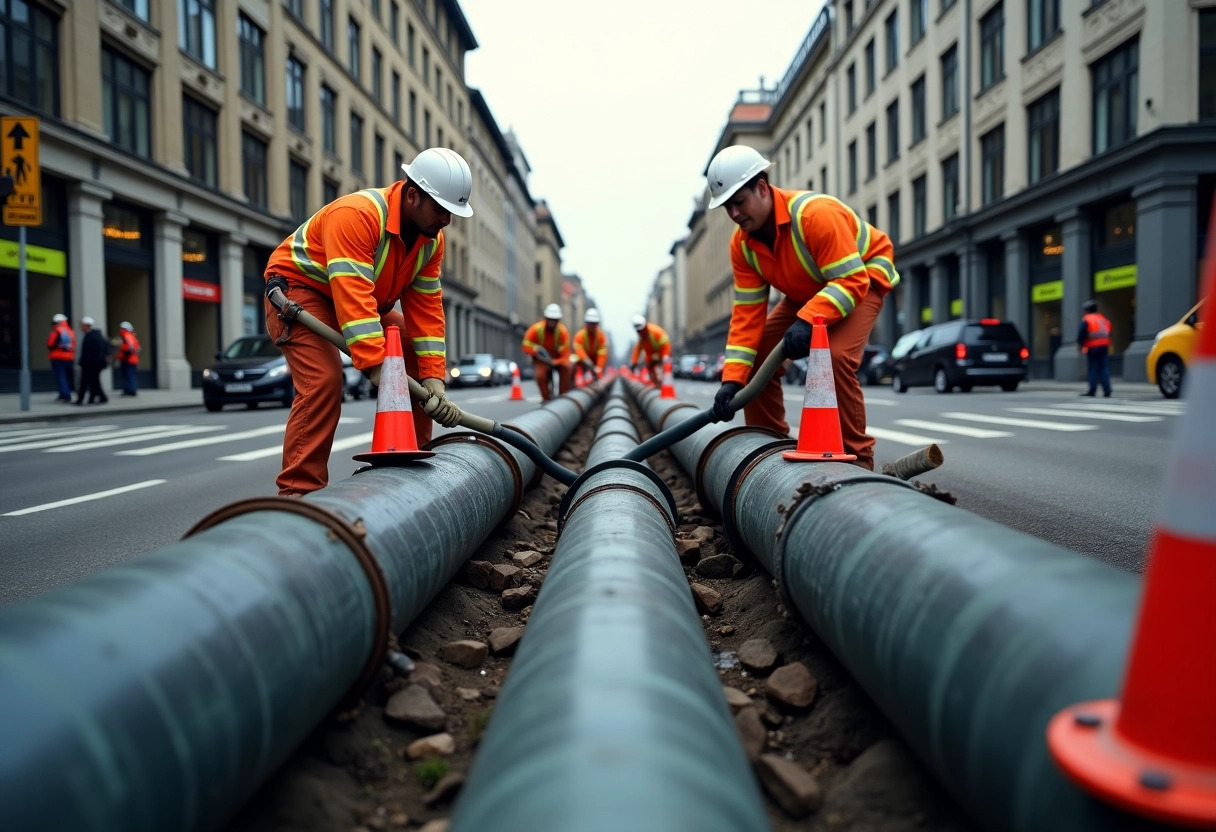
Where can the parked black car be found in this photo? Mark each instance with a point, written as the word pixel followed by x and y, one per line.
pixel 964 354
pixel 250 371
pixel 476 369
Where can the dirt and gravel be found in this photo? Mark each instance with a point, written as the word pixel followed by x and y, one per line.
pixel 400 761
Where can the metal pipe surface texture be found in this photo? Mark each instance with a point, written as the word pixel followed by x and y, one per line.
pixel 970 636
pixel 160 694
pixel 612 716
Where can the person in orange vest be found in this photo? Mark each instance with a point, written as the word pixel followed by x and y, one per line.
pixel 349 265
pixel 548 342
pixel 1093 339
pixel 61 350
pixel 128 358
pixel 826 260
pixel 591 345
pixel 654 344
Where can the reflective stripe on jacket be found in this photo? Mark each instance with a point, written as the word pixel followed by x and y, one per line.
pixel 351 251
pixel 128 351
pixel 556 341
pixel 654 342
pixel 1097 330
pixel 599 349
pixel 61 345
pixel 824 257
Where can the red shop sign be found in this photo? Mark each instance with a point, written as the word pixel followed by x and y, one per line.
pixel 200 290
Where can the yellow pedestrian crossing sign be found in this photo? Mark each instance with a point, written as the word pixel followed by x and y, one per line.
pixel 19 170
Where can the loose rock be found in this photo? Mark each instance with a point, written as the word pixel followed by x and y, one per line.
pixel 437 825
pixel 688 549
pixel 708 600
pixel 758 655
pixel 504 576
pixel 526 558
pixel 504 640
pixel 428 675
pixel 436 744
pixel 703 534
pixel 736 698
pixel 751 732
pixel 464 653
pixel 518 597
pixel 477 573
pixel 468 694
pixel 792 686
pixel 414 708
pixel 789 784
pixel 717 566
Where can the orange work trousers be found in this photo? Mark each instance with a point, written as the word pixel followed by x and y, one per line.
pixel 655 364
pixel 564 383
pixel 847 340
pixel 316 373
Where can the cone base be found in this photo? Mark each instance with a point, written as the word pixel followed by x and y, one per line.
pixel 1098 759
pixel 389 458
pixel 515 398
pixel 667 393
pixel 817 456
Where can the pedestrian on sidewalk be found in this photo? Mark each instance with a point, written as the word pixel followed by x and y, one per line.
pixel 61 349
pixel 128 358
pixel 94 355
pixel 1093 339
pixel 548 342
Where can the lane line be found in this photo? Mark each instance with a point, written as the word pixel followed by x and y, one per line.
pixel 961 430
pixel 127 440
pixel 99 495
pixel 49 443
pixel 30 434
pixel 904 438
pixel 206 440
pixel 1151 409
pixel 883 402
pixel 1018 423
pixel 1084 414
pixel 277 450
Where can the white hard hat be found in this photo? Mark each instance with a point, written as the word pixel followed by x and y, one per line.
pixel 58 318
pixel 127 326
pixel 731 169
pixel 638 321
pixel 441 173
pixel 86 321
pixel 592 316
pixel 553 312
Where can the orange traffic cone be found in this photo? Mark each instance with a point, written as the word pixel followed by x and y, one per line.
pixel 668 390
pixel 1153 751
pixel 645 374
pixel 393 438
pixel 819 436
pixel 578 375
pixel 517 390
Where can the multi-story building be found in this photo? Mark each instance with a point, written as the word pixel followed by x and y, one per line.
pixel 182 140
pixel 943 123
pixel 548 261
pixel 666 304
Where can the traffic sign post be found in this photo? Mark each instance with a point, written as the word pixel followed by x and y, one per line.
pixel 21 188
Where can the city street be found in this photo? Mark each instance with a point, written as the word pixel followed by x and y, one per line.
pixel 81 495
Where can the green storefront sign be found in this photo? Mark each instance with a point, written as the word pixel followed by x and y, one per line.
pixel 1120 277
pixel 1044 292
pixel 956 307
pixel 926 315
pixel 37 259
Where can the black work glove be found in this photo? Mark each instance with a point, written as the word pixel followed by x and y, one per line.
pixel 797 340
pixel 721 410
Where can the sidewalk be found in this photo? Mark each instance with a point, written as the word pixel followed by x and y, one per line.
pixel 44 407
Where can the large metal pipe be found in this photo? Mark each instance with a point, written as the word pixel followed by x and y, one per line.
pixel 612 716
pixel 970 636
pixel 158 695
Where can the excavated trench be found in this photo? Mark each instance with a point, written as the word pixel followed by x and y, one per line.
pixel 399 760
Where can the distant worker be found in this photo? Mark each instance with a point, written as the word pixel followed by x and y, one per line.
pixel 61 350
pixel 548 342
pixel 591 345
pixel 826 260
pixel 128 358
pixel 652 343
pixel 94 355
pixel 349 265
pixel 1093 339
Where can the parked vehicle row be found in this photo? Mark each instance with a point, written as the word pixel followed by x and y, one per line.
pixel 480 369
pixel 699 367
pixel 252 370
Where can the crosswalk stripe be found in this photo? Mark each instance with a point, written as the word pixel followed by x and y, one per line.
pixel 961 430
pixel 184 430
pixel 49 443
pixel 1018 423
pixel 882 402
pixel 1150 409
pixel 30 434
pixel 903 438
pixel 1084 414
pixel 277 450
pixel 85 498
pixel 206 440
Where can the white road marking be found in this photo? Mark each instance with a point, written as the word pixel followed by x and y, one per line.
pixel 48 443
pixel 961 430
pixel 1018 423
pixel 185 430
pixel 206 440
pixel 85 498
pixel 1084 414
pixel 277 450
pixel 30 434
pixel 904 438
pixel 883 402
pixel 1150 409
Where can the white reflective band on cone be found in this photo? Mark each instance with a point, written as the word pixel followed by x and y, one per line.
pixel 1189 501
pixel 394 386
pixel 820 383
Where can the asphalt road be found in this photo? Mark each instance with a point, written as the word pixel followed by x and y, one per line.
pixel 79 496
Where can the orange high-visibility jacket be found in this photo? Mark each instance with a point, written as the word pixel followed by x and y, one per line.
pixel 1097 330
pixel 61 343
pixel 593 350
pixel 128 351
pixel 654 342
pixel 351 250
pixel 556 341
pixel 824 257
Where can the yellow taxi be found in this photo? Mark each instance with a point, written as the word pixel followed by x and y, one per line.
pixel 1171 350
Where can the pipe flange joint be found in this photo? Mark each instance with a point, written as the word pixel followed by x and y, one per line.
pixel 568 501
pixel 698 476
pixel 517 474
pixel 734 482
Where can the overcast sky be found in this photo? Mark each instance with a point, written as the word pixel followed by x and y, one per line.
pixel 617 107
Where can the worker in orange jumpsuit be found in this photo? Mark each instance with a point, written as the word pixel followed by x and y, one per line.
pixel 654 344
pixel 349 265
pixel 591 345
pixel 826 260
pixel 548 342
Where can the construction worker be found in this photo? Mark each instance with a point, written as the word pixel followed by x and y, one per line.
pixel 128 358
pixel 1093 339
pixel 654 344
pixel 349 265
pixel 548 342
pixel 591 345
pixel 61 350
pixel 826 260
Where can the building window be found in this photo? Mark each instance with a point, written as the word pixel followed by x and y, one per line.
pixel 920 207
pixel 356 144
pixel 946 5
pixel 375 5
pixel 871 151
pixel 892 30
pixel 394 23
pixel 329 190
pixel 918 110
pixel 377 77
pixel 992 47
pixel 798 151
pixel 1043 128
pixel 893 217
pixel 378 160
pixel 352 48
pixel 992 154
pixel 852 167
pixel 139 8
pixel 409 43
pixel 919 21
pixel 1207 63
pixel 297 190
pixel 295 94
pixel 327 25
pixel 126 100
pixel 253 170
pixel 329 123
pixel 253 60
pixel 1116 79
pixel 439 86
pixel 196 30
pixel 426 67
pixel 823 121
pixel 810 138
pixel 851 87
pixel 398 161
pixel 848 17
pixel 199 130
pixel 870 68
pixel 413 115
pixel 872 214
pixel 893 131
pixel 823 178
pixel 426 127
pixel 1042 22
pixel 949 82
pixel 396 102
pixel 950 204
